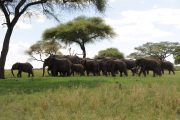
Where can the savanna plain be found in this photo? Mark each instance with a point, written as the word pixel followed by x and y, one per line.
pixel 90 98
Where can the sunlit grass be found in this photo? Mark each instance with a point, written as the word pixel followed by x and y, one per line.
pixel 90 98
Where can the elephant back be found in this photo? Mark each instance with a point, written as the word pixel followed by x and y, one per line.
pixel 29 65
pixel 62 63
pixel 167 65
pixel 73 59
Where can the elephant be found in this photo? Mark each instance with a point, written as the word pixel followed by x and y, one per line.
pixel 91 66
pixel 116 65
pixel 62 66
pixel 131 65
pixel 78 68
pixel 22 67
pixel 168 66
pixel 147 64
pixel 103 64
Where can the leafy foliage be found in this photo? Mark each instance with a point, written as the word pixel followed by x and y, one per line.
pixel 110 52
pixel 43 48
pixel 81 30
pixel 159 50
pixel 50 8
pixel 177 55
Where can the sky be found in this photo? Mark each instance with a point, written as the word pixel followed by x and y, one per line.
pixel 135 22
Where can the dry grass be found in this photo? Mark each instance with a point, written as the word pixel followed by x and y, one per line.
pixel 131 98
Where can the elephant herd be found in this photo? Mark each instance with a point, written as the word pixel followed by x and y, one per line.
pixel 68 65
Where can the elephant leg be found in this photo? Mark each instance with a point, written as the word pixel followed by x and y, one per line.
pixel 162 71
pixel 54 72
pixel 126 73
pixel 120 73
pixel 147 72
pixel 154 73
pixel 113 73
pixel 143 69
pixel 132 72
pixel 28 74
pixel 94 73
pixel 140 72
pixel 169 72
pixel 87 73
pixel 32 74
pixel 68 73
pixel 144 72
pixel 72 73
pixel 105 73
pixel 19 74
pixel 173 72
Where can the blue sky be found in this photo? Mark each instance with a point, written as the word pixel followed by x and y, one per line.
pixel 135 22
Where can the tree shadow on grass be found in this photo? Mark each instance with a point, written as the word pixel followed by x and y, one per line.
pixel 32 85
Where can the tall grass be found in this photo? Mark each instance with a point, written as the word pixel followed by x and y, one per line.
pixel 90 98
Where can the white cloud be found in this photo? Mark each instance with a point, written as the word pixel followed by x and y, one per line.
pixel 135 28
pixel 23 25
pixel 132 25
pixel 112 1
pixel 25 21
pixel 161 16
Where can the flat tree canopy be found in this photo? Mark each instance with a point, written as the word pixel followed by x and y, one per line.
pixel 82 30
pixel 160 50
pixel 12 10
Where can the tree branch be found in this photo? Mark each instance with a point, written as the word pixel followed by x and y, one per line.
pixel 31 4
pixel 37 59
pixel 5 12
pixel 20 4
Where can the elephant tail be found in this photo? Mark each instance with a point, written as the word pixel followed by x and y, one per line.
pixel 12 72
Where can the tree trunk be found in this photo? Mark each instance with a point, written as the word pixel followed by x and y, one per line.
pixel 4 51
pixel 84 50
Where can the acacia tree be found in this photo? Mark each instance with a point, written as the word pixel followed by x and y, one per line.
pixel 13 9
pixel 110 52
pixel 43 48
pixel 82 30
pixel 160 50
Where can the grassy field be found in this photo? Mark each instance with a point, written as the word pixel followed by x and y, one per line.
pixel 90 98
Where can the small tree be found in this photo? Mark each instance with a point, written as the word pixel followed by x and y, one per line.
pixel 82 30
pixel 43 48
pixel 160 50
pixel 110 52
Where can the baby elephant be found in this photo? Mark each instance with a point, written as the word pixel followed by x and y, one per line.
pixel 78 68
pixel 23 67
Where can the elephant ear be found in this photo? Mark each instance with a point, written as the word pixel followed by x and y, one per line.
pixel 83 61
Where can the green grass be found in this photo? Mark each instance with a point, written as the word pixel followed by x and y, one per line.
pixel 90 98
